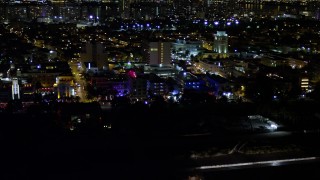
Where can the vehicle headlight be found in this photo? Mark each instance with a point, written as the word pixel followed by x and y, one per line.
pixel 273 126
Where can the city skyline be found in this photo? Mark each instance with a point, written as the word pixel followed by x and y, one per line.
pixel 157 89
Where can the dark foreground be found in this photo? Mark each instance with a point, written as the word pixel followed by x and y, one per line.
pixel 35 149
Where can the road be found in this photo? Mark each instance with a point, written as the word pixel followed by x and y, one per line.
pixel 237 161
pixel 76 68
pixel 275 162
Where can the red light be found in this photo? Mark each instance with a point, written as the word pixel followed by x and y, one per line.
pixel 132 74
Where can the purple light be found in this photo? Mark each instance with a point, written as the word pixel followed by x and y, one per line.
pixel 216 23
pixel 175 92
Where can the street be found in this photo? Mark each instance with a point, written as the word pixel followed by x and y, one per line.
pixel 77 69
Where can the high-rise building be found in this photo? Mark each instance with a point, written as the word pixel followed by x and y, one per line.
pixel 124 7
pixel 95 53
pixel 150 9
pixel 220 44
pixel 190 8
pixel 15 89
pixel 160 52
pixel 182 7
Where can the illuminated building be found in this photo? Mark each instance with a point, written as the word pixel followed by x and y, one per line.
pixel 15 89
pixel 220 85
pixel 211 2
pixel 138 87
pixel 274 61
pixel 304 84
pixel 163 71
pixel 110 85
pixel 95 53
pixel 182 7
pixel 146 86
pixel 156 86
pixel 220 44
pixel 64 86
pixel 160 53
pixel 188 81
pixel 150 9
pixel 184 49
pixel 216 67
pixel 43 78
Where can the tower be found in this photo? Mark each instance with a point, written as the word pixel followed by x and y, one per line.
pixel 220 44
pixel 15 89
pixel 160 52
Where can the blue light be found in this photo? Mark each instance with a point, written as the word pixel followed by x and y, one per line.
pixel 216 23
pixel 175 92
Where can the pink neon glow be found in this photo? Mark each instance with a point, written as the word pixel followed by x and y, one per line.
pixel 132 74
